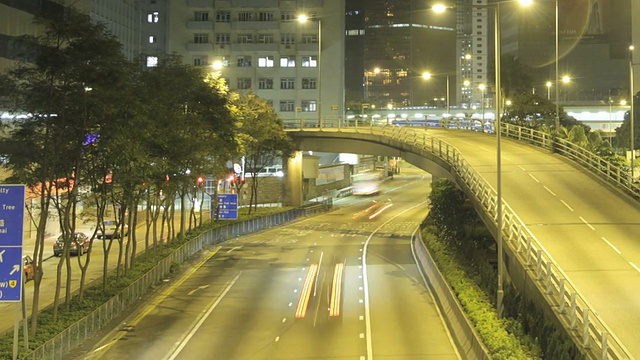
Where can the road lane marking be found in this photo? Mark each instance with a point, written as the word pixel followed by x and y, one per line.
pixel 234 248
pixel 586 223
pixel 336 290
pixel 634 266
pixel 174 353
pixel 549 190
pixel 567 205
pixel 198 288
pixel 610 244
pixel 157 301
pixel 534 178
pixel 522 168
pixel 305 294
pixel 367 309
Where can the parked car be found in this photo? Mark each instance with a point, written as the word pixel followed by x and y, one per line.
pixel 29 268
pixel 80 244
pixel 111 230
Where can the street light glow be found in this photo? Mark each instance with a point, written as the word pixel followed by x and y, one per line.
pixel 566 79
pixel 426 75
pixel 525 2
pixel 302 18
pixel 216 65
pixel 439 8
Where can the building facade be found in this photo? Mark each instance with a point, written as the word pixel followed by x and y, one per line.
pixel 261 47
pixel 399 41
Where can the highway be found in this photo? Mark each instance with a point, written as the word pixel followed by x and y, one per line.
pixel 340 285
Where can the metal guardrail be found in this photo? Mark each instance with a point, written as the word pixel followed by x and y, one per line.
pixel 76 334
pixel 589 331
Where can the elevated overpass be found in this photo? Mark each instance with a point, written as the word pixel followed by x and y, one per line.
pixel 571 224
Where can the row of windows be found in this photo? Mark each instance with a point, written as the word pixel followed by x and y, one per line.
pixel 285 61
pixel 225 38
pixel 285 83
pixel 225 16
pixel 305 105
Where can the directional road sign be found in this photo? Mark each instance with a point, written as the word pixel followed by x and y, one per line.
pixel 11 229
pixel 227 206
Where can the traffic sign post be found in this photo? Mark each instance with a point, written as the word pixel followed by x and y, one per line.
pixel 227 207
pixel 11 232
pixel 12 199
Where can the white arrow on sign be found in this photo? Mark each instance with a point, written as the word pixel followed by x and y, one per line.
pixel 16 268
pixel 1 252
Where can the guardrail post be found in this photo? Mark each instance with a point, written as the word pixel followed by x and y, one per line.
pixel 539 256
pixel 604 345
pixel 585 330
pixel 529 251
pixel 549 284
pixel 561 297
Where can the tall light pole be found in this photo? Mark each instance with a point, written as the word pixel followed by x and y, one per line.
pixel 482 87
pixel 426 76
pixel 302 19
pixel 557 76
pixel 631 114
pixel 498 102
pixel 548 85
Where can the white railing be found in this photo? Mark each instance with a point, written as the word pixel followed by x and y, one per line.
pixel 572 309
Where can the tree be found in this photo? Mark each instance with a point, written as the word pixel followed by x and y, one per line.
pixel 623 133
pixel 57 83
pixel 261 136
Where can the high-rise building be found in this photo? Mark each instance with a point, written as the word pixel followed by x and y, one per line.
pixel 399 41
pixel 264 49
pixel 593 47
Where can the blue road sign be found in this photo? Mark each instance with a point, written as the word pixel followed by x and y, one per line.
pixel 227 206
pixel 11 232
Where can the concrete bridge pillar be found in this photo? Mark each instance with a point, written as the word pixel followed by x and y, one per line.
pixel 292 192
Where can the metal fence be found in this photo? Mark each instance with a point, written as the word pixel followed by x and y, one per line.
pixel 573 311
pixel 76 334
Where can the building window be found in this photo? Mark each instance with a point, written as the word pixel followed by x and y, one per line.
pixel 287 61
pixel 245 38
pixel 201 38
pixel 265 84
pixel 223 16
pixel 265 38
pixel 266 16
pixel 152 61
pixel 200 60
pixel 309 83
pixel 265 61
pixel 152 39
pixel 287 106
pixel 222 39
pixel 244 61
pixel 310 39
pixel 245 16
pixel 201 16
pixel 308 105
pixel 287 83
pixel 153 17
pixel 287 16
pixel 287 39
pixel 310 61
pixel 244 83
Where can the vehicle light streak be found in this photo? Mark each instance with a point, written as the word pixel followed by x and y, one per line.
pixel 380 211
pixel 336 290
pixel 305 294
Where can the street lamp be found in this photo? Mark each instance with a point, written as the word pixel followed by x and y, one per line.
pixel 427 76
pixel 482 87
pixel 302 19
pixel 548 85
pixel 498 102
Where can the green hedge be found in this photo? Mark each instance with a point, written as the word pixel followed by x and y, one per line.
pixel 465 252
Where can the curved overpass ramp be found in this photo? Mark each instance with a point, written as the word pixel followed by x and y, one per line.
pixel 569 236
